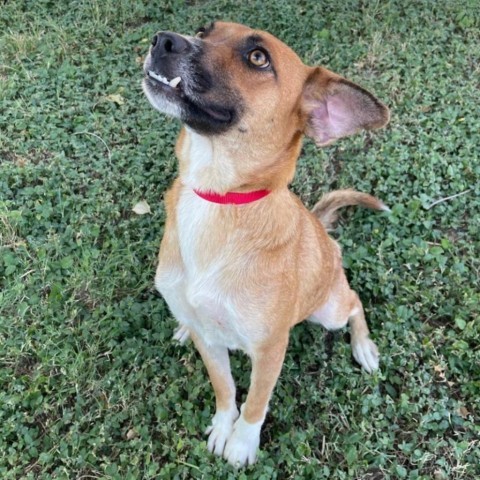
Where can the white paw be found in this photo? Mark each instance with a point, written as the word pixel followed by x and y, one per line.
pixel 242 446
pixel 181 334
pixel 220 429
pixel 366 354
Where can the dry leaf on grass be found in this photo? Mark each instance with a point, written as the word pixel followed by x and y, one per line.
pixel 141 208
pixel 115 98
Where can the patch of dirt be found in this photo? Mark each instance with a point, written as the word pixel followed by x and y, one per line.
pixel 34 156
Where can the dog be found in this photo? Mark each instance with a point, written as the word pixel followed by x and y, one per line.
pixel 242 260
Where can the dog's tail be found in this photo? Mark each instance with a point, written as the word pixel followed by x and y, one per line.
pixel 326 208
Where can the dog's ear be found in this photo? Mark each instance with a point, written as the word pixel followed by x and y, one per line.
pixel 335 107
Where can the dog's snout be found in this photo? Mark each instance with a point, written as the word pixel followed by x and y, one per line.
pixel 166 43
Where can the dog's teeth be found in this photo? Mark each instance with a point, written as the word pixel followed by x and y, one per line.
pixel 158 77
pixel 173 83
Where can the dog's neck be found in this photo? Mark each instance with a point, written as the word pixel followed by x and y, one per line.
pixel 227 164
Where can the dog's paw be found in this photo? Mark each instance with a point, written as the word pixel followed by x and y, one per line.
pixel 181 335
pixel 220 430
pixel 242 446
pixel 366 354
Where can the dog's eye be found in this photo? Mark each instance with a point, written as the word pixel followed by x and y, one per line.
pixel 258 58
pixel 200 33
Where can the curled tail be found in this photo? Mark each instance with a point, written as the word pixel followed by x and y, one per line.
pixel 326 208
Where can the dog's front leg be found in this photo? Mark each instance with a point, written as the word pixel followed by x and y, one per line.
pixel 267 361
pixel 217 362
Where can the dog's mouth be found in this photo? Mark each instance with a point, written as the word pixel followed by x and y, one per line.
pixel 194 111
pixel 159 78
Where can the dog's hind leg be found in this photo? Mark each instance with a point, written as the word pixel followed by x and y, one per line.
pixel 342 307
pixel 182 334
pixel 364 349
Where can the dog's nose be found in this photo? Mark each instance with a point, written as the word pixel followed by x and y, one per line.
pixel 166 43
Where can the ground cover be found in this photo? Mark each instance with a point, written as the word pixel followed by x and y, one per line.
pixel 91 385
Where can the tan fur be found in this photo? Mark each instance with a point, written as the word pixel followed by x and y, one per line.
pixel 243 276
pixel 326 209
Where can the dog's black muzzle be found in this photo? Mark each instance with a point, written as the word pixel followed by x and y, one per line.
pixel 168 43
pixel 207 103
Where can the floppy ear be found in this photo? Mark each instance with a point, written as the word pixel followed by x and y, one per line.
pixel 336 107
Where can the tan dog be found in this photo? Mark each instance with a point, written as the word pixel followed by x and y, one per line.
pixel 242 260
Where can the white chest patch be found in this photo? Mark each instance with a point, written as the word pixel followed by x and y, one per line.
pixel 219 315
pixel 193 214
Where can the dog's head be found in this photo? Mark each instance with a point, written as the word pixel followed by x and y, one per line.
pixel 230 78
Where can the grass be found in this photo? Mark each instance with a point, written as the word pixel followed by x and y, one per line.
pixel 91 385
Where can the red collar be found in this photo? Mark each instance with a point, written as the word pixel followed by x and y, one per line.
pixel 232 198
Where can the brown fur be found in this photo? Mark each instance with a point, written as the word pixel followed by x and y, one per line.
pixel 243 276
pixel 326 209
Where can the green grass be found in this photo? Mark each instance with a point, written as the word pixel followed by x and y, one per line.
pixel 91 385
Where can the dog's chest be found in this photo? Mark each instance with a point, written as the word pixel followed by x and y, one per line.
pixel 194 220
pixel 208 252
